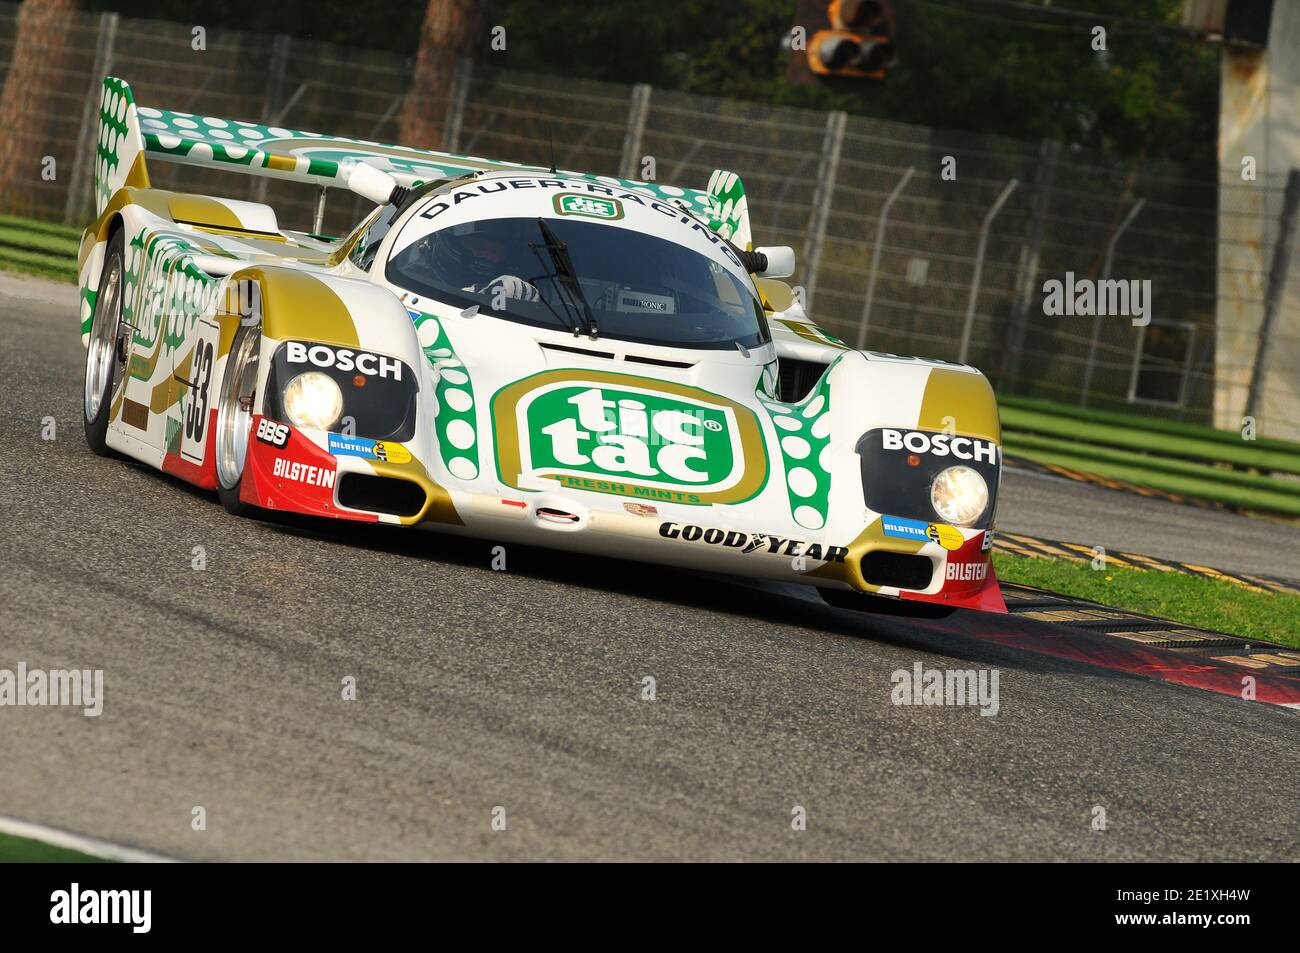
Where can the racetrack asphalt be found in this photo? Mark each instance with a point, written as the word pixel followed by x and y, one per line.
pixel 522 689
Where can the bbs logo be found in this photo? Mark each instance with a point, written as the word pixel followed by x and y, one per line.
pixel 268 431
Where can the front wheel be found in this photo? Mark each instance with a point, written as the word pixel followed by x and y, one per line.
pixel 106 350
pixel 235 418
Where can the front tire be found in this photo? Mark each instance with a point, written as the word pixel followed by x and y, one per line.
pixel 106 352
pixel 235 418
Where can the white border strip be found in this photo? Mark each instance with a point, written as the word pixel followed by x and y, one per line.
pixel 86 845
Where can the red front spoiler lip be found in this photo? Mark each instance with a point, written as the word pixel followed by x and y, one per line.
pixel 987 597
pixel 303 483
pixel 983 594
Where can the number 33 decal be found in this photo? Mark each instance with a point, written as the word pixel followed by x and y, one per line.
pixel 196 412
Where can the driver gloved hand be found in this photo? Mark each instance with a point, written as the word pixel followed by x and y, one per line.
pixel 512 287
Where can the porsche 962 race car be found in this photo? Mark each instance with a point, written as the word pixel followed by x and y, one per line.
pixel 523 355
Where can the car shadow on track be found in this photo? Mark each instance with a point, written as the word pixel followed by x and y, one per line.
pixel 783 604
pixel 767 603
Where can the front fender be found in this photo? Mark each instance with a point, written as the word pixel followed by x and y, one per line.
pixel 369 326
pixel 948 415
pixel 296 304
pixel 292 304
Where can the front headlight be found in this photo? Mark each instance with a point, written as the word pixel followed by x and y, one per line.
pixel 959 495
pixel 313 400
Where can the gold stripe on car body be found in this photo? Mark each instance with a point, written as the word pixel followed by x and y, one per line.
pixel 438 507
pixel 966 398
pixel 870 539
pixel 201 210
pixel 302 306
pixel 169 391
pixel 776 295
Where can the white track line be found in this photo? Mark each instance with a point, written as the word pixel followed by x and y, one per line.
pixel 87 845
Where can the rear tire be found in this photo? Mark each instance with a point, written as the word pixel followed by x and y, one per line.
pixel 879 605
pixel 235 419
pixel 106 349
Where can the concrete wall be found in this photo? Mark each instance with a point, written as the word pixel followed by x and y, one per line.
pixel 1259 117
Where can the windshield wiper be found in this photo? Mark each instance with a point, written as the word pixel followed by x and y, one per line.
pixel 570 319
pixel 566 278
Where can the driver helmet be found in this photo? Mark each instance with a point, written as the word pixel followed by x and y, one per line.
pixel 466 257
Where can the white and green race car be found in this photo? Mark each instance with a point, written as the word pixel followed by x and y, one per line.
pixel 522 355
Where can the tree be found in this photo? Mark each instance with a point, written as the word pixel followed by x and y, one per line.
pixel 451 29
pixel 1002 69
pixel 1026 70
pixel 30 105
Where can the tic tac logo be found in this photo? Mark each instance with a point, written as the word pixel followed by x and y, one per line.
pixel 631 436
pixel 344 359
pixel 588 206
pixel 940 445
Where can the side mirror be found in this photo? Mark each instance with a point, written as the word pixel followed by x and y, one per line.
pixel 371 183
pixel 780 261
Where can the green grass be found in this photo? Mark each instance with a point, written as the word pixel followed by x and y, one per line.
pixel 1141 422
pixel 53 267
pixel 1202 448
pixel 1191 600
pixel 1281 499
pixel 47 228
pixel 28 240
pixel 39 248
pixel 20 850
pixel 1025 444
pixel 1187 459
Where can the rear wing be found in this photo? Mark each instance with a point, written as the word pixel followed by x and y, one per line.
pixel 128 133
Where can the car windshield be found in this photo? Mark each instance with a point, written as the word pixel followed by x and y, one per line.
pixel 631 286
